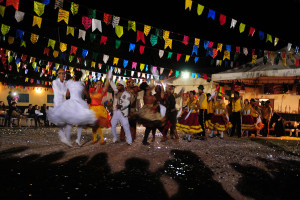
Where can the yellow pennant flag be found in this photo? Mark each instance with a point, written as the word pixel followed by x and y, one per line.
pixel 37 21
pixel 188 4
pixel 2 10
pixel 242 27
pixel 226 55
pixel 55 53
pixel 284 61
pixel 4 29
pixel 269 38
pixel 119 30
pixel 132 25
pixel 23 44
pixel 116 60
pixel 142 66
pixel 51 43
pixel 168 43
pixel 254 57
pixel 187 58
pixel 197 41
pixel 26 79
pixel 219 47
pixel 63 15
pixel 200 9
pixel 166 34
pixel 63 47
pixel 147 29
pixel 38 8
pixel 93 64
pixel 11 39
pixel 34 38
pixel 74 8
pixel 276 41
pixel 70 30
pixel 290 54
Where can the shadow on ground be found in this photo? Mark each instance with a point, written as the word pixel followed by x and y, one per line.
pixel 41 177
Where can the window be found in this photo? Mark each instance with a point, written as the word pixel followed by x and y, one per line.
pixel 23 98
pixel 50 98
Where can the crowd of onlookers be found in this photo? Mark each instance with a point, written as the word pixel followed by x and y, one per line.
pixel 13 115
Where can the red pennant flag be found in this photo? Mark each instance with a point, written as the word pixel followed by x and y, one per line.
pixel 178 56
pixel 210 44
pixel 31 80
pixel 296 62
pixel 46 51
pixel 215 52
pixel 14 3
pixel 222 19
pixel 23 57
pixel 252 30
pixel 4 59
pixel 103 40
pixel 78 60
pixel 142 49
pixel 99 65
pixel 107 18
pixel 73 50
pixel 185 40
pixel 283 54
pixel 205 76
pixel 253 51
pixel 86 22
pixel 238 49
pixel 140 36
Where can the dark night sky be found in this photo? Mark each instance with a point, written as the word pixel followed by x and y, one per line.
pixel 278 18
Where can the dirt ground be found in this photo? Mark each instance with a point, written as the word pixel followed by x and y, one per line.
pixel 34 164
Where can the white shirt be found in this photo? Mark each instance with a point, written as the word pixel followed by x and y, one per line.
pixel 59 90
pixel 124 100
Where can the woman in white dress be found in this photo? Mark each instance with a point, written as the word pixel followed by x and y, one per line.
pixel 74 111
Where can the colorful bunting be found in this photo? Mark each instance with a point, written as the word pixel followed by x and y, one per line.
pixel 188 4
pixel 14 3
pixel 73 50
pixel 86 22
pixel 269 38
pixel 118 44
pixel 38 8
pixel 147 29
pixel 242 27
pixel 70 30
pixel 211 14
pixel 34 38
pixel 115 21
pixel 59 4
pixel 63 47
pixel 74 8
pixel 233 23
pixel 142 49
pixel 222 19
pixel 168 43
pixel 37 21
pixel 19 16
pixel 107 18
pixel 131 25
pixel 153 39
pixel 103 40
pixel 140 36
pixel 96 24
pixel 81 34
pixel 63 15
pixel 4 29
pixel 200 9
pixel 252 31
pixel 119 30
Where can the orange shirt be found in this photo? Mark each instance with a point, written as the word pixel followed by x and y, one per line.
pixel 96 99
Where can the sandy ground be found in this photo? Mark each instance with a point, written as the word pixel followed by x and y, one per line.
pixel 230 168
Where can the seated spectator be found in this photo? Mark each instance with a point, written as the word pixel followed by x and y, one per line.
pixel 44 109
pixel 31 114
pixel 14 112
pixel 3 112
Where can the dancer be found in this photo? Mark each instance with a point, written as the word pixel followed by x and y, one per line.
pixel 248 119
pixel 74 111
pixel 121 104
pixel 189 122
pixel 219 121
pixel 60 90
pixel 133 90
pixel 149 114
pixel 203 111
pixel 266 118
pixel 97 93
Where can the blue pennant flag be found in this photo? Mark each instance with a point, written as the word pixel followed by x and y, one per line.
pixel 196 59
pixel 261 35
pixel 125 63
pixel 146 67
pixel 211 14
pixel 228 47
pixel 206 44
pixel 19 34
pixel 209 52
pixel 131 47
pixel 195 49
pixel 84 53
pixel 63 56
pixel 198 75
pixel 193 75
pixel 46 2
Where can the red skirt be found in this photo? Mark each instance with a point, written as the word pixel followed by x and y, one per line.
pixel 248 122
pixel 190 125
pixel 218 122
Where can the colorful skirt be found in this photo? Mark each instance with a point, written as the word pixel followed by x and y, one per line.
pixel 218 122
pixel 190 125
pixel 248 122
pixel 103 117
pixel 149 116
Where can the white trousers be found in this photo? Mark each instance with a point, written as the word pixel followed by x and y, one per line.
pixel 118 117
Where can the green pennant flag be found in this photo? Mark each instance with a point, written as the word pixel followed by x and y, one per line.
pixel 38 8
pixel 153 39
pixel 158 32
pixel 51 43
pixel 118 43
pixel 4 29
pixel 71 57
pixel 236 56
pixel 177 73
pixel 269 38
pixel 170 55
pixel 23 44
pixel 95 55
pixel 92 37
pixel 92 13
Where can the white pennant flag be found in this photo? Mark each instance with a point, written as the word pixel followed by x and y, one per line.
pixel 115 21
pixel 148 76
pixel 96 24
pixel 161 53
pixel 105 58
pixel 119 70
pixel 233 23
pixel 151 76
pixel 245 51
pixel 289 46
pixel 217 63
pixel 132 73
pixel 81 34
pixel 161 70
pixel 139 74
pixel 19 15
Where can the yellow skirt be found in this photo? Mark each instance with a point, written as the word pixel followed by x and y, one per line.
pixel 103 117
